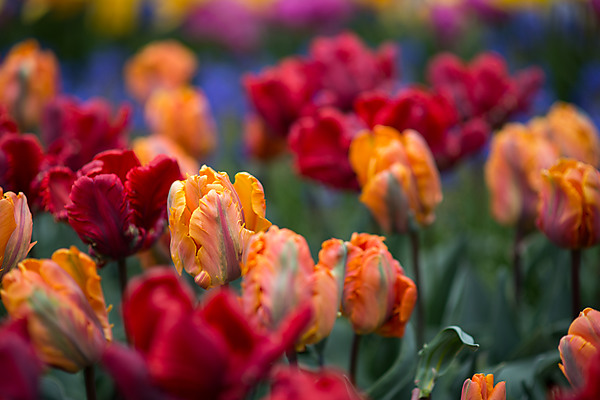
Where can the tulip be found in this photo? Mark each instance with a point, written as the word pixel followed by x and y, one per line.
pixel 64 306
pixel 234 356
pixel 146 148
pixel 16 226
pixel 572 131
pixel 280 276
pixel 131 195
pixel 281 94
pixel 75 132
pixel 162 64
pixel 513 174
pixel 481 387
pixel 377 296
pixel 569 207
pixel 211 222
pixel 579 346
pixel 183 115
pixel 348 68
pixel 591 388
pixel 29 78
pixel 21 159
pixel 259 142
pixel 320 145
pixel 7 123
pixel 400 183
pixel 294 383
pixel 21 368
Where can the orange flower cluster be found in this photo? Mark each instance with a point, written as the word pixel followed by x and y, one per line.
pixel 400 182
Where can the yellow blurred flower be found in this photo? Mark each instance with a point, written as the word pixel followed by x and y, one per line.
pixel 569 204
pixel 183 115
pixel 211 222
pixel 400 182
pixel 29 78
pixel 163 64
pixel 16 226
pixel 513 173
pixel 64 306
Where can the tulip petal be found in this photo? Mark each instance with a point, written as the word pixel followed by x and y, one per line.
pixel 252 198
pixel 19 243
pixel 147 189
pixel 55 188
pixel 118 162
pixel 24 156
pixel 100 215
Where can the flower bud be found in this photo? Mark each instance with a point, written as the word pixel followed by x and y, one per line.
pixel 481 386
pixel 211 222
pixel 512 173
pixel 15 230
pixel 569 206
pixel 579 346
pixel 64 306
pixel 377 296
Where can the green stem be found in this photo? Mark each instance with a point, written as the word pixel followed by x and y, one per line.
pixel 414 241
pixel 575 292
pixel 122 264
pixel 517 264
pixel 90 382
pixel 354 357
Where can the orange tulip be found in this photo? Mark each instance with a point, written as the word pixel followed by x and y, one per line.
pixel 377 296
pixel 569 207
pixel 481 387
pixel 512 173
pixel 162 64
pixel 15 230
pixel 211 222
pixel 64 306
pixel 579 346
pixel 29 78
pixel 146 148
pixel 280 276
pixel 183 116
pixel 572 131
pixel 400 182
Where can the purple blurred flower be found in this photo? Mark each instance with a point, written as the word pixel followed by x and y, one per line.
pixel 313 13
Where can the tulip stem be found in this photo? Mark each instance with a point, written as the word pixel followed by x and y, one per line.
pixel 122 263
pixel 354 357
pixel 90 382
pixel 517 252
pixel 414 241
pixel 575 292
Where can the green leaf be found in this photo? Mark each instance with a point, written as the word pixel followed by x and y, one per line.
pixel 437 355
pixel 399 374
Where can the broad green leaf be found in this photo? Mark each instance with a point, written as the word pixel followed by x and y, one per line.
pixel 437 355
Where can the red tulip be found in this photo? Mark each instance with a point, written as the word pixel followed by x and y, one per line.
pixel 76 131
pixel 212 350
pixel 21 368
pixel 118 206
pixel 320 145
pixel 347 68
pixel 294 383
pixel 21 157
pixel 7 123
pixel 591 386
pixel 281 93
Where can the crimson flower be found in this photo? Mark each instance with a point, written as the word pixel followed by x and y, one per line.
pixel 21 158
pixel 320 144
pixel 591 388
pixel 281 93
pixel 76 131
pixel 348 68
pixel 483 87
pixel 21 368
pixel 7 123
pixel 294 383
pixel 211 350
pixel 116 205
pixel 430 114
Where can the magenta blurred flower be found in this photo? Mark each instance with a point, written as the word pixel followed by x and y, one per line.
pixel 294 383
pixel 320 144
pixel 118 206
pixel 21 159
pixel 483 87
pixel 21 368
pixel 212 350
pixel 347 68
pixel 312 13
pixel 75 131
